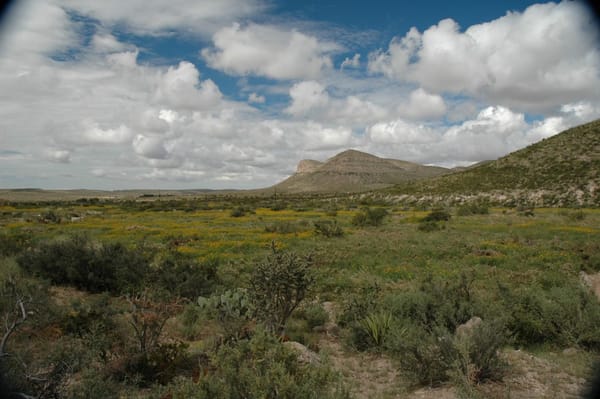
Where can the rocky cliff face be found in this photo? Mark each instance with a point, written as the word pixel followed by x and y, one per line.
pixel 308 166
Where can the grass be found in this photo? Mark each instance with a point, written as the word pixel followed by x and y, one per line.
pixel 500 248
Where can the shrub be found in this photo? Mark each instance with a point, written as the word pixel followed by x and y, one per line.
pixel 429 226
pixel 315 315
pixel 12 243
pixel 183 276
pixel 437 215
pixel 473 209
pixel 328 228
pixel 562 316
pixel 278 285
pixel 424 356
pixel 232 311
pixel 260 368
pixel 86 265
pixel 238 212
pixel 436 355
pixel 369 217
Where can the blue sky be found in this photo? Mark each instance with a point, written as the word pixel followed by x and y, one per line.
pixel 233 93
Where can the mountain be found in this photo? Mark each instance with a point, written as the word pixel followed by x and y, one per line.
pixel 353 171
pixel 561 170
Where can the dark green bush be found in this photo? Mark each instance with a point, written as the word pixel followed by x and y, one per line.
pixel 260 368
pixel 86 265
pixel 328 228
pixel 473 209
pixel 437 215
pixel 315 315
pixel 564 316
pixel 12 243
pixel 424 356
pixel 429 226
pixel 369 217
pixel 183 276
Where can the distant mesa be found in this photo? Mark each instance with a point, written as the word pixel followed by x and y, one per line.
pixel 353 171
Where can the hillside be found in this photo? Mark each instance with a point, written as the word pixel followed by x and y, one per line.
pixel 563 169
pixel 352 171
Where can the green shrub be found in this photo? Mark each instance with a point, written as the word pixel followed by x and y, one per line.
pixel 231 309
pixel 328 228
pixel 86 265
pixel 283 227
pixel 562 316
pixel 315 315
pixel 473 209
pixel 239 211
pixel 278 285
pixel 12 243
pixel 437 215
pixel 369 217
pixel 424 356
pixel 260 368
pixel 429 226
pixel 433 356
pixel 183 276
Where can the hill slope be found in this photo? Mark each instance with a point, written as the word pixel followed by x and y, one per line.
pixel 352 171
pixel 565 167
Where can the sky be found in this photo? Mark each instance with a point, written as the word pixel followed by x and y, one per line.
pixel 191 94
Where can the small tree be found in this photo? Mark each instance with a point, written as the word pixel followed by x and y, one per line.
pixel 278 285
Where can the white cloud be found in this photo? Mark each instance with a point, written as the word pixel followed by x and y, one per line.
pixel 318 137
pixel 400 132
pixel 353 62
pixel 255 98
pixel 532 61
pixel 58 155
pixel 268 51
pixel 150 147
pixel 155 17
pixel 178 88
pixel 422 105
pixel 95 134
pixel 119 122
pixel 36 29
pixel 307 95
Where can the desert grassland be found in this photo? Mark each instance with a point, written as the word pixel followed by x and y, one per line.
pixel 502 245
pixel 504 249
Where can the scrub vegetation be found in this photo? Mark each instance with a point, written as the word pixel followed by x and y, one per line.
pixel 260 297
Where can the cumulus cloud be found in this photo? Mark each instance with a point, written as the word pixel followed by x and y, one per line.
pixel 422 105
pixel 535 60
pixel 178 88
pixel 87 103
pixel 95 134
pixel 353 62
pixel 150 147
pixel 307 95
pixel 268 51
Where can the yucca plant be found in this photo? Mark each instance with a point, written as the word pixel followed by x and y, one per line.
pixel 377 325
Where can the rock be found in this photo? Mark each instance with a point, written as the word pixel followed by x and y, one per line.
pixel 305 355
pixel 466 329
